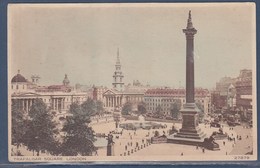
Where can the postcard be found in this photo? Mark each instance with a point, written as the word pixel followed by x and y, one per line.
pixel 132 82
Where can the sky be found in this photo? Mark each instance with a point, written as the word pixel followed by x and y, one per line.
pixel 81 40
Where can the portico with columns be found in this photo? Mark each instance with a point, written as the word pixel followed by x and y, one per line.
pixel 115 100
pixel 58 102
pixel 54 103
pixel 112 100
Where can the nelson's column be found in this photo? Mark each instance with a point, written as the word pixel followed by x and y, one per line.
pixel 190 133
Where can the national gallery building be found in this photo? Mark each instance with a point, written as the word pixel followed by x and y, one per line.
pixel 57 97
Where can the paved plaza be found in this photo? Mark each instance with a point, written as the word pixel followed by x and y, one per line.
pixel 126 143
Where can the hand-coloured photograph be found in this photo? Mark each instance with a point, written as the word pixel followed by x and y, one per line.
pixel 132 82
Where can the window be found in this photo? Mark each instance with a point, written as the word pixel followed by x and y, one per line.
pixel 17 87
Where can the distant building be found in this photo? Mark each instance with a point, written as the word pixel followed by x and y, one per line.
pixel 115 98
pixel 223 85
pixel 234 93
pixel 98 92
pixel 244 90
pixel 57 97
pixel 166 97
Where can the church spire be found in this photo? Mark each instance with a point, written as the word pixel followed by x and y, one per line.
pixel 118 75
pixel 117 58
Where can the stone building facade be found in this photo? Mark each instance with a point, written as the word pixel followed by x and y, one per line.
pixel 234 93
pixel 58 98
pixel 165 97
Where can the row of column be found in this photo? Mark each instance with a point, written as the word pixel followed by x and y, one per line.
pixel 57 103
pixel 134 99
pixel 113 101
pixel 26 104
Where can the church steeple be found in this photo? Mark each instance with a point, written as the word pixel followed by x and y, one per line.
pixel 117 58
pixel 118 75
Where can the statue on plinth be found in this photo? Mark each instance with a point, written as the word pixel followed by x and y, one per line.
pixel 110 145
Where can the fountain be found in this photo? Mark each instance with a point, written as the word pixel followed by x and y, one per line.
pixel 140 124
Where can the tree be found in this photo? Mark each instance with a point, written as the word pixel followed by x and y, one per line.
pixel 127 108
pixel 89 107
pixel 141 107
pixel 41 132
pixel 159 110
pixel 99 106
pixel 175 109
pixel 18 125
pixel 79 137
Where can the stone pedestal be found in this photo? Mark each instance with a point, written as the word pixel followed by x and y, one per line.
pixel 190 133
pixel 110 150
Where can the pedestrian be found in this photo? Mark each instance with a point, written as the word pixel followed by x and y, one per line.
pixel 226 153
pixel 203 150
pixel 181 153
pixel 224 143
pixel 197 147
